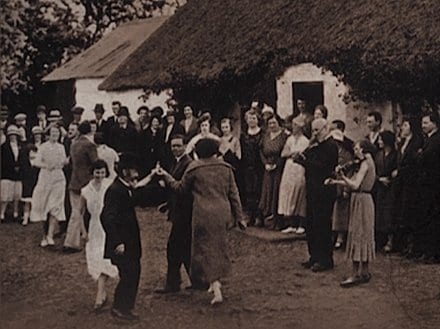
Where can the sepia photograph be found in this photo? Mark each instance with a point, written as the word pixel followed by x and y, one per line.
pixel 212 164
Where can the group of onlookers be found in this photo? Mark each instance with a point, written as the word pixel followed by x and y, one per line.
pixel 299 175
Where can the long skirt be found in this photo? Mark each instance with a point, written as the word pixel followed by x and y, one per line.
pixel 270 192
pixel 292 193
pixel 360 240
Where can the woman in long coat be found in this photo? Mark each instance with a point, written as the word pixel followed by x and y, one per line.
pixel 405 184
pixel 386 162
pixel 216 206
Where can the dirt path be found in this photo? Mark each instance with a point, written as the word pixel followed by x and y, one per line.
pixel 267 288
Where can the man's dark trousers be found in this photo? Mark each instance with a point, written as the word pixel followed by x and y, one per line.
pixel 126 290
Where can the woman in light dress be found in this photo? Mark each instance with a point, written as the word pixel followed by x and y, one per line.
pixel 360 241
pixel 48 195
pixel 205 132
pixel 292 195
pixel 92 198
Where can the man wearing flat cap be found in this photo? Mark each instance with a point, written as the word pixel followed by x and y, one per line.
pixel 20 122
pixel 319 160
pixel 42 117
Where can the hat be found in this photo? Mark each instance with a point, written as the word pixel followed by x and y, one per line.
pixel 37 130
pixel 41 108
pixel 254 105
pixel 4 112
pixel 54 115
pixel 12 130
pixel 20 117
pixel 99 108
pixel 123 111
pixel 299 121
pixel 77 110
pixel 267 109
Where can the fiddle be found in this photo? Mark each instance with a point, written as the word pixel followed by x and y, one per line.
pixel 349 166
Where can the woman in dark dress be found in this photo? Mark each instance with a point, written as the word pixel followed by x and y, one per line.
pixel 251 168
pixel 271 146
pixel 152 144
pixel 386 162
pixel 405 184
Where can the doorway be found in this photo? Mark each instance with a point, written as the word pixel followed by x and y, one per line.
pixel 311 92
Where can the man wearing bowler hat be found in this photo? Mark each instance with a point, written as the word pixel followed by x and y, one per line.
pixel 99 118
pixel 77 112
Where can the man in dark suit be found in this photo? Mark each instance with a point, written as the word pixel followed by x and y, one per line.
pixel 179 214
pixel 172 128
pixel 83 154
pixel 427 230
pixel 374 124
pixel 319 160
pixel 101 124
pixel 122 240
pixel 189 124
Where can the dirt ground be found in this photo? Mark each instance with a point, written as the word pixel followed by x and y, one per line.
pixel 267 288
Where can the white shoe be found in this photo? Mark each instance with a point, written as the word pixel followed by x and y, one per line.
pixel 50 241
pixel 218 297
pixel 300 230
pixel 44 243
pixel 289 230
pixel 25 222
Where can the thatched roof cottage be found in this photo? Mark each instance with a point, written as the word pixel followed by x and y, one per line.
pixel 385 53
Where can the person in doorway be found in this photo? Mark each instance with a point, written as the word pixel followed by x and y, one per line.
pixel 305 116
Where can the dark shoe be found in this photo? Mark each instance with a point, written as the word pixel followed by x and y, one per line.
pixel 308 264
pixel 125 316
pixel 69 250
pixel 167 290
pixel 199 286
pixel 365 278
pixel 99 306
pixel 320 268
pixel 351 282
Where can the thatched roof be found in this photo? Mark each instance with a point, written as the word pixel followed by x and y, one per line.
pixel 103 57
pixel 212 41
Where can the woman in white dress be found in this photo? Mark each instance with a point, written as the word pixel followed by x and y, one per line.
pixel 92 198
pixel 48 195
pixel 292 195
pixel 205 132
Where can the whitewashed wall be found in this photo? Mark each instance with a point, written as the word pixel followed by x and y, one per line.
pixel 353 114
pixel 87 95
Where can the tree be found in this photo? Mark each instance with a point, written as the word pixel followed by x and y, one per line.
pixel 39 35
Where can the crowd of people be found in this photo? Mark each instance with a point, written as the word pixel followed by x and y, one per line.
pixel 300 175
